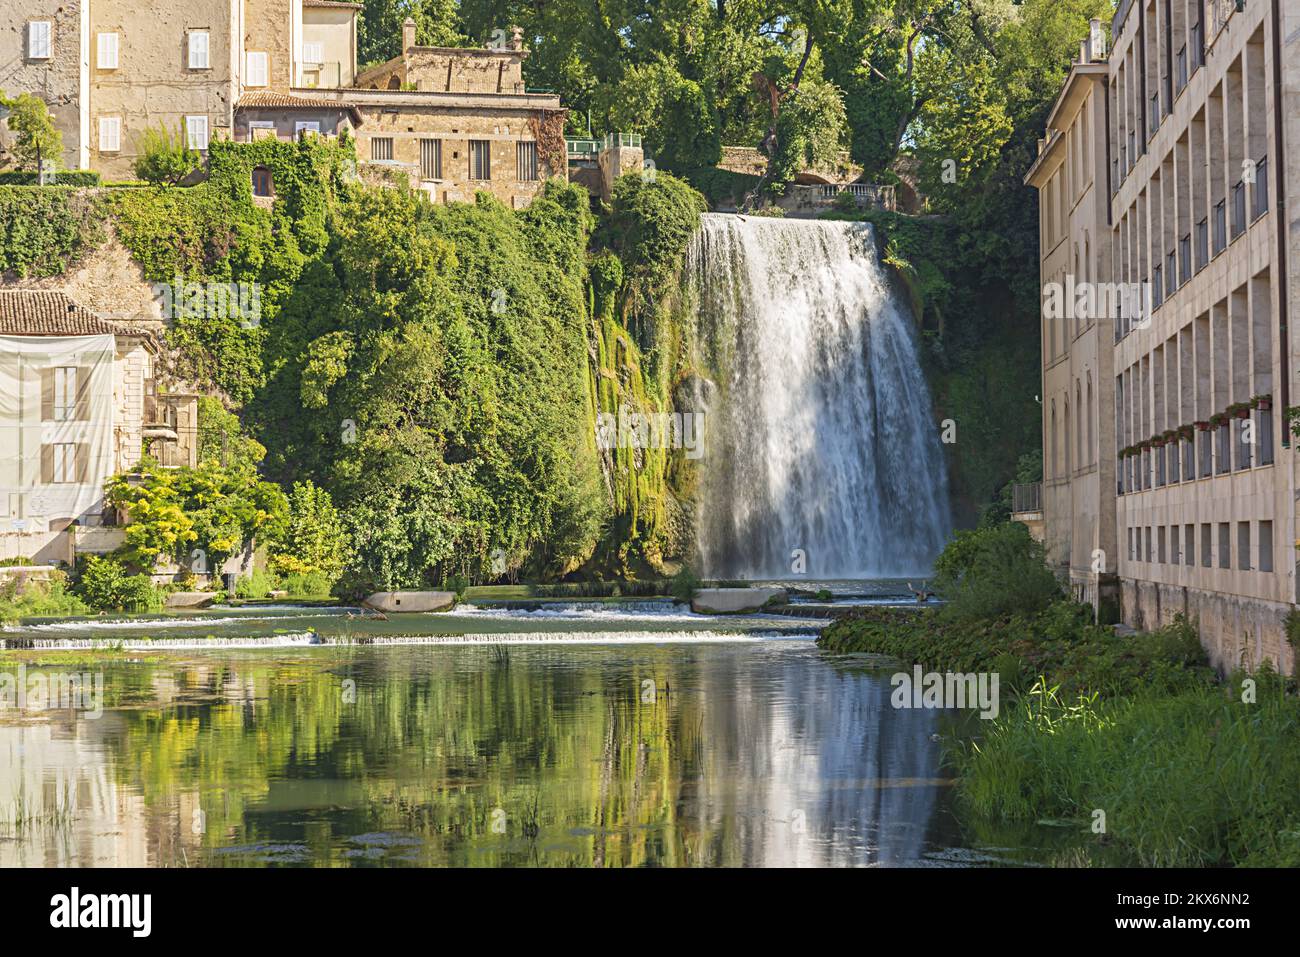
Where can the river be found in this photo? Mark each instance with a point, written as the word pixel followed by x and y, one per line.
pixel 579 735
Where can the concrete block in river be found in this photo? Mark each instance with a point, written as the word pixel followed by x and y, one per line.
pixel 734 601
pixel 393 601
pixel 189 599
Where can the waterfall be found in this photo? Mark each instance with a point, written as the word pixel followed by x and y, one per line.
pixel 821 440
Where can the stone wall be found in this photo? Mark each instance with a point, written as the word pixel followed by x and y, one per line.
pixel 1234 630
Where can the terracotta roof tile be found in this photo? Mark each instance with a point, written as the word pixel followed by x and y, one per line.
pixel 38 312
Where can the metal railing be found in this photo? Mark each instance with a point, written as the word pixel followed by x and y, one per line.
pixel 1027 497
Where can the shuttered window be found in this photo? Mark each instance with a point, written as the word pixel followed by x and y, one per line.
pixel 430 159
pixel 63 463
pixel 110 134
pixel 480 159
pixel 38 40
pixel 65 394
pixel 198 49
pixel 313 53
pixel 107 51
pixel 526 161
pixel 196 132
pixel 257 70
pixel 381 148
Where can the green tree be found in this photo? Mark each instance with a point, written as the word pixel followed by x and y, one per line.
pixel 34 137
pixel 314 540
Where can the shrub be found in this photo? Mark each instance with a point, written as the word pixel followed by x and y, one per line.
pixel 684 584
pixel 259 584
pixel 307 585
pixel 993 572
pixel 104 585
pixel 22 598
pixel 164 158
pixel 64 177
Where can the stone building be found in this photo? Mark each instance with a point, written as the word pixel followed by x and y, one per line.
pixel 452 121
pixel 1077 500
pixel 1202 99
pixel 78 403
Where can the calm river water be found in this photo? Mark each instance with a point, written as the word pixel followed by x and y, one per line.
pixel 669 742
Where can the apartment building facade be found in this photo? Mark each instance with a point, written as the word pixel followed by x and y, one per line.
pixel 1202 100
pixel 1077 334
pixel 453 121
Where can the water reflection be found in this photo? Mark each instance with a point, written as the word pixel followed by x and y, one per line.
pixel 757 754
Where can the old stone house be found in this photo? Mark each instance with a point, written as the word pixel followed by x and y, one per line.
pixel 452 121
pixel 78 403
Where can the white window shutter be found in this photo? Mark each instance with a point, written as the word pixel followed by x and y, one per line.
pixel 38 40
pixel 107 57
pixel 196 132
pixel 198 45
pixel 313 53
pixel 256 72
pixel 110 134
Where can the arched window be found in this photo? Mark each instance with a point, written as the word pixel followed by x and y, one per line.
pixel 394 83
pixel 1080 458
pixel 1066 443
pixel 1052 438
pixel 1092 424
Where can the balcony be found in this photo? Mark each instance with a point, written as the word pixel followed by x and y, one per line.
pixel 1238 208
pixel 1259 195
pixel 1027 508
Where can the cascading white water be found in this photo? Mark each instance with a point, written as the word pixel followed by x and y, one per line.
pixel 821 437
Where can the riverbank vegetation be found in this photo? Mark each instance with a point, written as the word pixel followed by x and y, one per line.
pixel 1187 768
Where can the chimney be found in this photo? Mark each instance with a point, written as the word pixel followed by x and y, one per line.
pixel 408 34
pixel 1096 40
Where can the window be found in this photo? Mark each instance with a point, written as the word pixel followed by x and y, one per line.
pixel 262 183
pixel 1225 545
pixel 1189 544
pixel 261 129
pixel 65 393
pixel 430 159
pixel 196 132
pixel 1243 546
pixel 110 134
pixel 526 162
pixel 107 51
pixel 38 40
pixel 1266 546
pixel 480 159
pixel 1175 555
pixel 198 49
pixel 301 126
pixel 381 148
pixel 1260 191
pixel 63 462
pixel 257 69
pixel 313 53
pixel 1160 545
pixel 1205 544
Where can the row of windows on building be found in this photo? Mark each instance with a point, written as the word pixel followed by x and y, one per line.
pixel 111 128
pixel 479 160
pixel 198 52
pixel 1216 451
pixel 1184 544
pixel 1209 187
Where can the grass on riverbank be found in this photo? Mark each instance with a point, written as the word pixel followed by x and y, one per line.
pixel 1059 642
pixel 1185 769
pixel 1197 778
